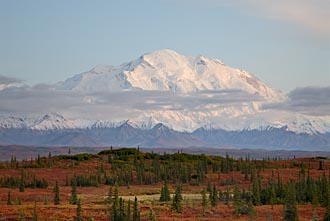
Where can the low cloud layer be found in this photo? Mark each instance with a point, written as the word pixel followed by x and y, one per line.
pixel 42 99
pixel 9 80
pixel 307 100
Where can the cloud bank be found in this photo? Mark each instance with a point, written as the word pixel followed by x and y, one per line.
pixel 307 100
pixel 9 80
pixel 113 105
pixel 42 98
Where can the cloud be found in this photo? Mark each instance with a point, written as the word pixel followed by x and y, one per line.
pixel 312 14
pixel 42 99
pixel 307 100
pixel 9 80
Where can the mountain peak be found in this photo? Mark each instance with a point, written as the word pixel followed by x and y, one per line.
pixel 163 52
pixel 167 70
pixel 52 121
pixel 160 126
pixel 53 116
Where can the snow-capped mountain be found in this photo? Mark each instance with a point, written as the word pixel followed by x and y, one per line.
pixel 57 131
pixel 13 122
pixel 166 70
pixel 166 99
pixel 53 121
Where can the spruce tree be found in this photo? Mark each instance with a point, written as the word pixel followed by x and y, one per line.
pixel 227 197
pixel 320 165
pixel 327 214
pixel 177 200
pixel 290 209
pixel 128 212
pixel 237 200
pixel 22 182
pixel 152 215
pixel 256 192
pixel 109 198
pixel 327 210
pixel 165 193
pixel 9 203
pixel 204 201
pixel 121 210
pixel 35 214
pixel 73 196
pixel 56 194
pixel 78 211
pixel 214 196
pixel 21 215
pixel 272 199
pixel 136 212
pixel 114 208
pixel 209 187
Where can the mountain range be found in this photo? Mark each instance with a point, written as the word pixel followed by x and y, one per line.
pixel 164 99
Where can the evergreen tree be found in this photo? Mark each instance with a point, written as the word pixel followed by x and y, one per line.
pixel 39 160
pixel 227 197
pixel 177 200
pixel 22 182
pixel 21 215
pixel 165 193
pixel 272 196
pixel 209 187
pixel 136 212
pixel 324 191
pixel 237 200
pixel 204 201
pixel 214 196
pixel 256 192
pixel 320 165
pixel 109 197
pixel 56 194
pixel 327 210
pixel 35 214
pixel 90 218
pixel 128 212
pixel 122 214
pixel 327 214
pixel 114 208
pixel 152 215
pixel 290 209
pixel 73 196
pixel 9 203
pixel 78 211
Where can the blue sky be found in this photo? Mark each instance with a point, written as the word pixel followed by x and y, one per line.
pixel 285 43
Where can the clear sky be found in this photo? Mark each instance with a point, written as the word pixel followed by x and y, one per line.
pixel 285 43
